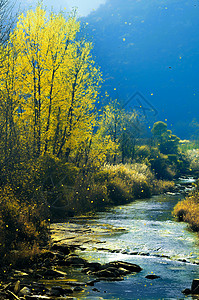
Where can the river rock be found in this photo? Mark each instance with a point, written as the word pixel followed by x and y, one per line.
pixel 78 289
pixel 58 291
pixel 53 273
pixel 75 261
pixel 195 286
pixel 125 265
pixel 96 290
pixel 123 271
pixel 115 269
pixel 25 291
pixel 38 297
pixel 76 283
pixel 108 272
pixel 93 266
pixel 62 248
pixel 20 273
pixel 186 291
pixel 92 282
pixel 152 276
pixel 17 287
pixel 39 288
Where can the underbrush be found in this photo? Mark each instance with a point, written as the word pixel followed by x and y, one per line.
pixel 162 186
pixel 113 185
pixel 50 190
pixel 130 181
pixel 22 226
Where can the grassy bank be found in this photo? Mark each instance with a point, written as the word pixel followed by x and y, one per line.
pixel 49 189
pixel 188 210
pixel 114 185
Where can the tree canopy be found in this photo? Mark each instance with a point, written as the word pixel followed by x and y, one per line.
pixel 49 85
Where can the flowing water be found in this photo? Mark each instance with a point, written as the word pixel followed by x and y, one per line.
pixel 144 232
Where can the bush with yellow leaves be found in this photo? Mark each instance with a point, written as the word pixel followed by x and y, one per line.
pixel 188 210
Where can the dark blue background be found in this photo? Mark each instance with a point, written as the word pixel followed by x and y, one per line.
pixel 160 55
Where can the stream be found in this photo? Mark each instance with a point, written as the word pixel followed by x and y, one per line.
pixel 145 233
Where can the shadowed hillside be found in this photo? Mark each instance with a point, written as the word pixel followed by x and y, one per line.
pixel 150 47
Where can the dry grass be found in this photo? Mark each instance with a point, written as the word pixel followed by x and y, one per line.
pixel 132 181
pixel 162 186
pixel 21 226
pixel 130 172
pixel 188 211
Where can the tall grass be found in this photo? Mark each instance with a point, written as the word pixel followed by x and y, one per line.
pixel 22 226
pixel 130 181
pixel 188 211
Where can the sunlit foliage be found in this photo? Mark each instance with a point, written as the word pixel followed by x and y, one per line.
pixel 50 131
pixel 188 210
pixel 167 141
pixel 49 84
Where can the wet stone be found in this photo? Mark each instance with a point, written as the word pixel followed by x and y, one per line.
pixel 58 291
pixel 76 283
pixel 25 291
pixel 75 260
pixel 92 282
pixel 125 265
pixel 186 291
pixel 39 288
pixel 78 289
pixel 53 273
pixel 62 248
pixel 152 276
pixel 37 297
pixel 195 286
pixel 96 290
pixel 93 266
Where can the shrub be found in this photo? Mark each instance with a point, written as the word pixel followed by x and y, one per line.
pixel 162 186
pixel 90 196
pixel 142 153
pixel 54 183
pixel 193 157
pixel 118 191
pixel 19 223
pixel 188 211
pixel 160 165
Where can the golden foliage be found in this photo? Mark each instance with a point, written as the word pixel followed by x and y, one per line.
pixel 51 83
pixel 188 211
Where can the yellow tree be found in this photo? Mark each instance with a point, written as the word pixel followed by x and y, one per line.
pixel 55 83
pixel 8 105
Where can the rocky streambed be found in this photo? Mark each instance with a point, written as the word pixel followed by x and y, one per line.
pixel 134 251
pixel 59 273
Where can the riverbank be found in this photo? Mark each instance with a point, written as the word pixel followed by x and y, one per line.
pixel 188 210
pixel 59 273
pixel 142 233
